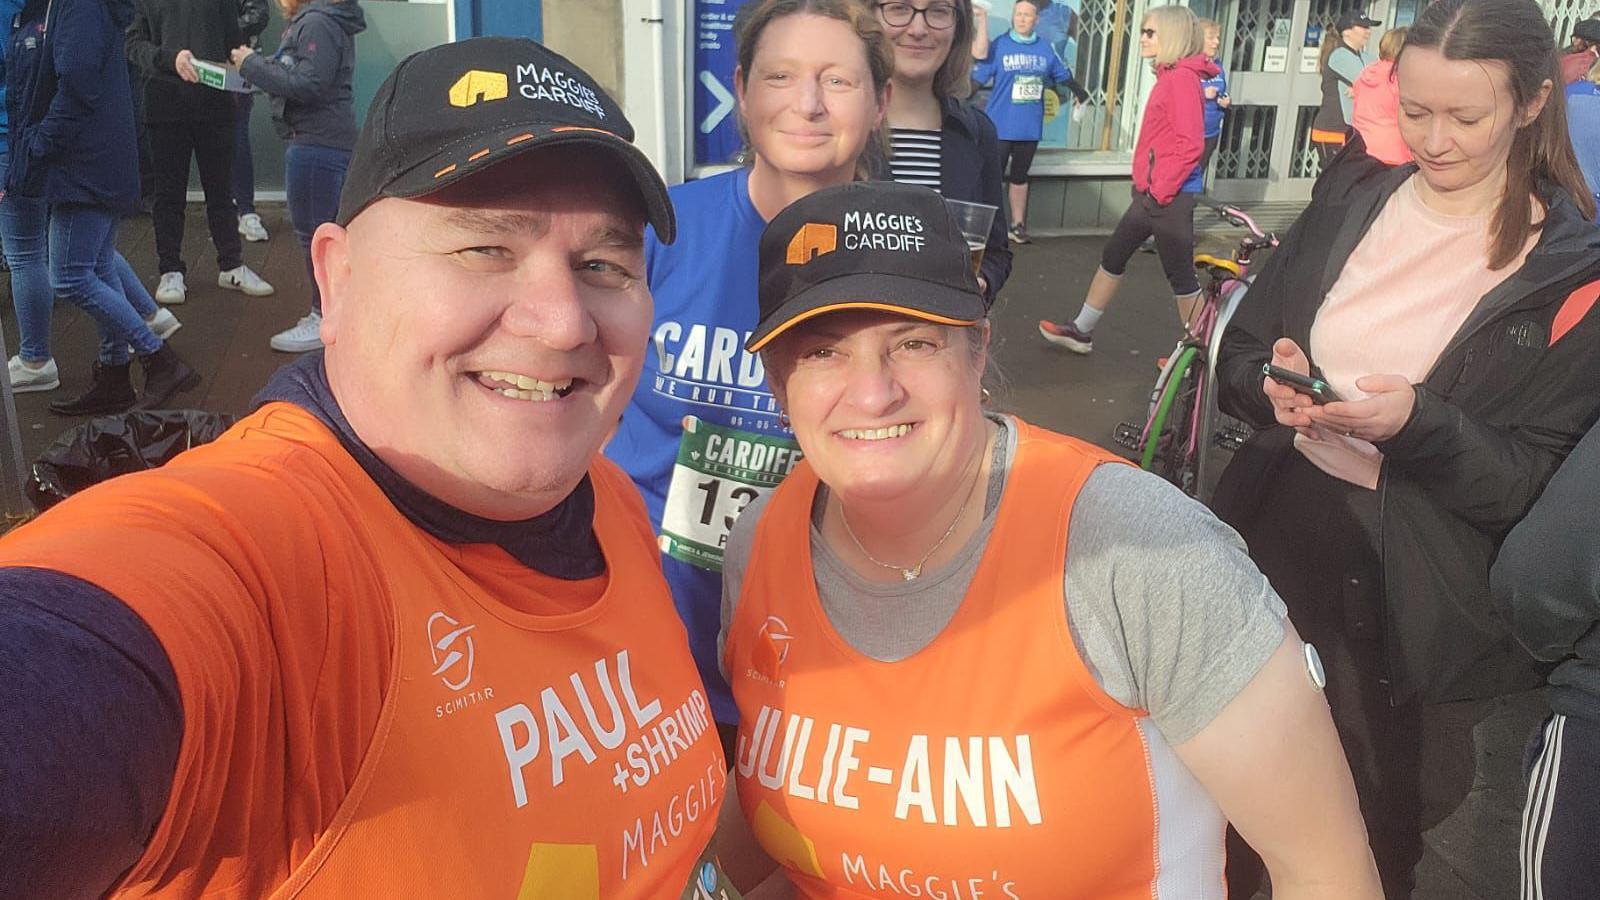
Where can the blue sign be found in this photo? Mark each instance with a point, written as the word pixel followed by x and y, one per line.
pixel 716 123
pixel 1313 35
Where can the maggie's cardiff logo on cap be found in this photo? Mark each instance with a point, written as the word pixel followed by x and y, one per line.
pixel 478 86
pixel 811 241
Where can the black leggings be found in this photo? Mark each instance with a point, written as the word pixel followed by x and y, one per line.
pixel 1016 158
pixel 1173 227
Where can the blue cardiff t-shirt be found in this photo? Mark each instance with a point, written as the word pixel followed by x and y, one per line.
pixel 1021 73
pixel 701 437
pixel 1213 110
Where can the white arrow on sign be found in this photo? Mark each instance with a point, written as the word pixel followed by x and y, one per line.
pixel 724 103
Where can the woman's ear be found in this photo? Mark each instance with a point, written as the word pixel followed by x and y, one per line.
pixel 1530 113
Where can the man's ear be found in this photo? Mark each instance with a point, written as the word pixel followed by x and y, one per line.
pixel 330 265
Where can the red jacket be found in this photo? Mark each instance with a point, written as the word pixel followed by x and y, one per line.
pixel 1377 113
pixel 1576 65
pixel 1172 135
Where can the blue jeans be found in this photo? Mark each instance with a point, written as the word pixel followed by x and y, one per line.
pixel 83 269
pixel 24 224
pixel 244 169
pixel 315 176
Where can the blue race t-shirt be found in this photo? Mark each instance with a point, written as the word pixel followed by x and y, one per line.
pixel 1213 110
pixel 1021 73
pixel 701 437
pixel 1583 87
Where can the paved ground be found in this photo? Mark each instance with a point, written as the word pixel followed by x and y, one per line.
pixel 1472 855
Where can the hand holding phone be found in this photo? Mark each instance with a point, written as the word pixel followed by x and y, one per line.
pixel 1318 390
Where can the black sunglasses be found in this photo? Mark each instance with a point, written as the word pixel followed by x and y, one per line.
pixel 1148 32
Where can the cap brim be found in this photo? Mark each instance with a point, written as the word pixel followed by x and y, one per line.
pixel 896 294
pixel 449 166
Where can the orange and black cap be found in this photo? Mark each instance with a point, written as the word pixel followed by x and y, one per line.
pixel 865 245
pixel 451 111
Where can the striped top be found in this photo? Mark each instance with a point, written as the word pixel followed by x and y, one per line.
pixel 914 156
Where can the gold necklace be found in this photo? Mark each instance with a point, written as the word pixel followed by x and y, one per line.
pixel 915 572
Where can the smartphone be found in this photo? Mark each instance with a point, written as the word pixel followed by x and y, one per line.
pixel 1318 390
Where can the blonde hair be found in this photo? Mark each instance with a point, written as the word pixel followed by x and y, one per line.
pixel 1594 72
pixel 1178 34
pixel 1389 45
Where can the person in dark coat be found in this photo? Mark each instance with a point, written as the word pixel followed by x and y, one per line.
pixel 253 17
pixel 1547 585
pixel 1449 301
pixel 310 81
pixel 72 146
pixel 186 120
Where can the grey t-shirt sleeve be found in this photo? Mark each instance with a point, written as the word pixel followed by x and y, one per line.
pixel 1167 609
pixel 735 557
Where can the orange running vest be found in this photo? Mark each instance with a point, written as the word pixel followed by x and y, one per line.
pixel 990 764
pixel 527 744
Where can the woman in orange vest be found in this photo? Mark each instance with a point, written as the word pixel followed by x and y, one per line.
pixel 973 658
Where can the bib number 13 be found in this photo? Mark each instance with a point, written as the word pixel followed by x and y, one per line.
pixel 719 472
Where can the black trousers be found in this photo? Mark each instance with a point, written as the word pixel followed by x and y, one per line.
pixel 211 146
pixel 1173 227
pixel 1315 538
pixel 1558 849
pixel 1016 158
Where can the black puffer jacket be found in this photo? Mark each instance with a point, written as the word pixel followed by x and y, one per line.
pixel 1512 393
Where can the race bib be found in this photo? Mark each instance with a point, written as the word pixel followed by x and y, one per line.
pixel 719 472
pixel 1027 89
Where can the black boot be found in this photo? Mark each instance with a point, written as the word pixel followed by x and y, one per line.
pixel 165 375
pixel 110 392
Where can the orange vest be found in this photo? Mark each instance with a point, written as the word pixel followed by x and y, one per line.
pixel 370 712
pixel 988 764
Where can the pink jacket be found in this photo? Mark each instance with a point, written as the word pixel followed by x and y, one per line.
pixel 1376 113
pixel 1173 133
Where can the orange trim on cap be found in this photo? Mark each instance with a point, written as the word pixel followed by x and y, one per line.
pixel 445 171
pixel 584 128
pixel 479 155
pixel 519 139
pixel 858 304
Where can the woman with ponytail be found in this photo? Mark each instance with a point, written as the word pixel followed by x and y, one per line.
pixel 1450 303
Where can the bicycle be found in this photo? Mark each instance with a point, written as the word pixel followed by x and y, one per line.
pixel 1182 403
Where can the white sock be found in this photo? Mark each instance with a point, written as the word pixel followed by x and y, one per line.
pixel 1087 319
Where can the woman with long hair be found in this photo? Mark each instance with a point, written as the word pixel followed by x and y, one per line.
pixel 703 436
pixel 1375 108
pixel 309 79
pixel 1166 176
pixel 976 658
pixel 1340 63
pixel 1448 302
pixel 937 139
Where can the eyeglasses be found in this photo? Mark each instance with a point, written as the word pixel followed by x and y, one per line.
pixel 939 16
pixel 1148 32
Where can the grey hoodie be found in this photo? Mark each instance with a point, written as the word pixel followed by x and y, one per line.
pixel 309 77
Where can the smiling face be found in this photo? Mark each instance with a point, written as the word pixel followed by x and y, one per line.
pixel 884 406
pixel 1356 37
pixel 808 102
pixel 1458 117
pixel 1213 41
pixel 484 340
pixel 1024 16
pixel 919 50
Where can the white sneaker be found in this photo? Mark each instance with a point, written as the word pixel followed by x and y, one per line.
pixel 242 279
pixel 163 323
pixel 302 337
pixel 172 290
pixel 250 226
pixel 25 378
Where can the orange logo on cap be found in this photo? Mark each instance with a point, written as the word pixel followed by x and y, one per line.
pixel 812 241
pixel 478 85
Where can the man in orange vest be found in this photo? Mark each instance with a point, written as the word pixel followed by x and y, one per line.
pixel 401 631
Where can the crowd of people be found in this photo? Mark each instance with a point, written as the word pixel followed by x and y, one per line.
pixel 626 541
pixel 152 121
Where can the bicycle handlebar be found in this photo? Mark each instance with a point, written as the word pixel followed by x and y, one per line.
pixel 1235 216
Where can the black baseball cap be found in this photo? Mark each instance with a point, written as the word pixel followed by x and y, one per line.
pixel 865 245
pixel 1355 20
pixel 451 111
pixel 1588 29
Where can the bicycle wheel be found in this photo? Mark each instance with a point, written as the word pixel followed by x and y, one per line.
pixel 1169 445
